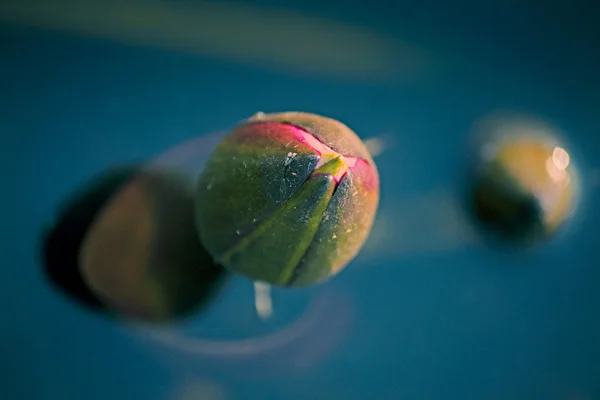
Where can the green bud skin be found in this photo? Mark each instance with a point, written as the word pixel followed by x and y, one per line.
pixel 287 199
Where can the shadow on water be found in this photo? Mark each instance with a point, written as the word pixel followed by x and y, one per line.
pixel 504 221
pixel 62 240
pixel 125 245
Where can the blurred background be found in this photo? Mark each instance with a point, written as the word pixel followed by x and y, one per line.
pixel 428 310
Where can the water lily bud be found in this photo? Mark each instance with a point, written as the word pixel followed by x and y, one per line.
pixel 287 198
pixel 525 186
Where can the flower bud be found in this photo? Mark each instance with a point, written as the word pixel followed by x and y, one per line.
pixel 287 198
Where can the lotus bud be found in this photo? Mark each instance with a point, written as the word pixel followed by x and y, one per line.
pixel 287 198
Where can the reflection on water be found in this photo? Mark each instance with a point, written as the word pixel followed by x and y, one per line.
pixel 142 256
pixel 62 241
pixel 128 244
pixel 292 42
pixel 190 156
pixel 322 314
pixel 198 390
pixel 304 330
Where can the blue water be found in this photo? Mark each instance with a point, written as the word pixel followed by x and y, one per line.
pixel 455 323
